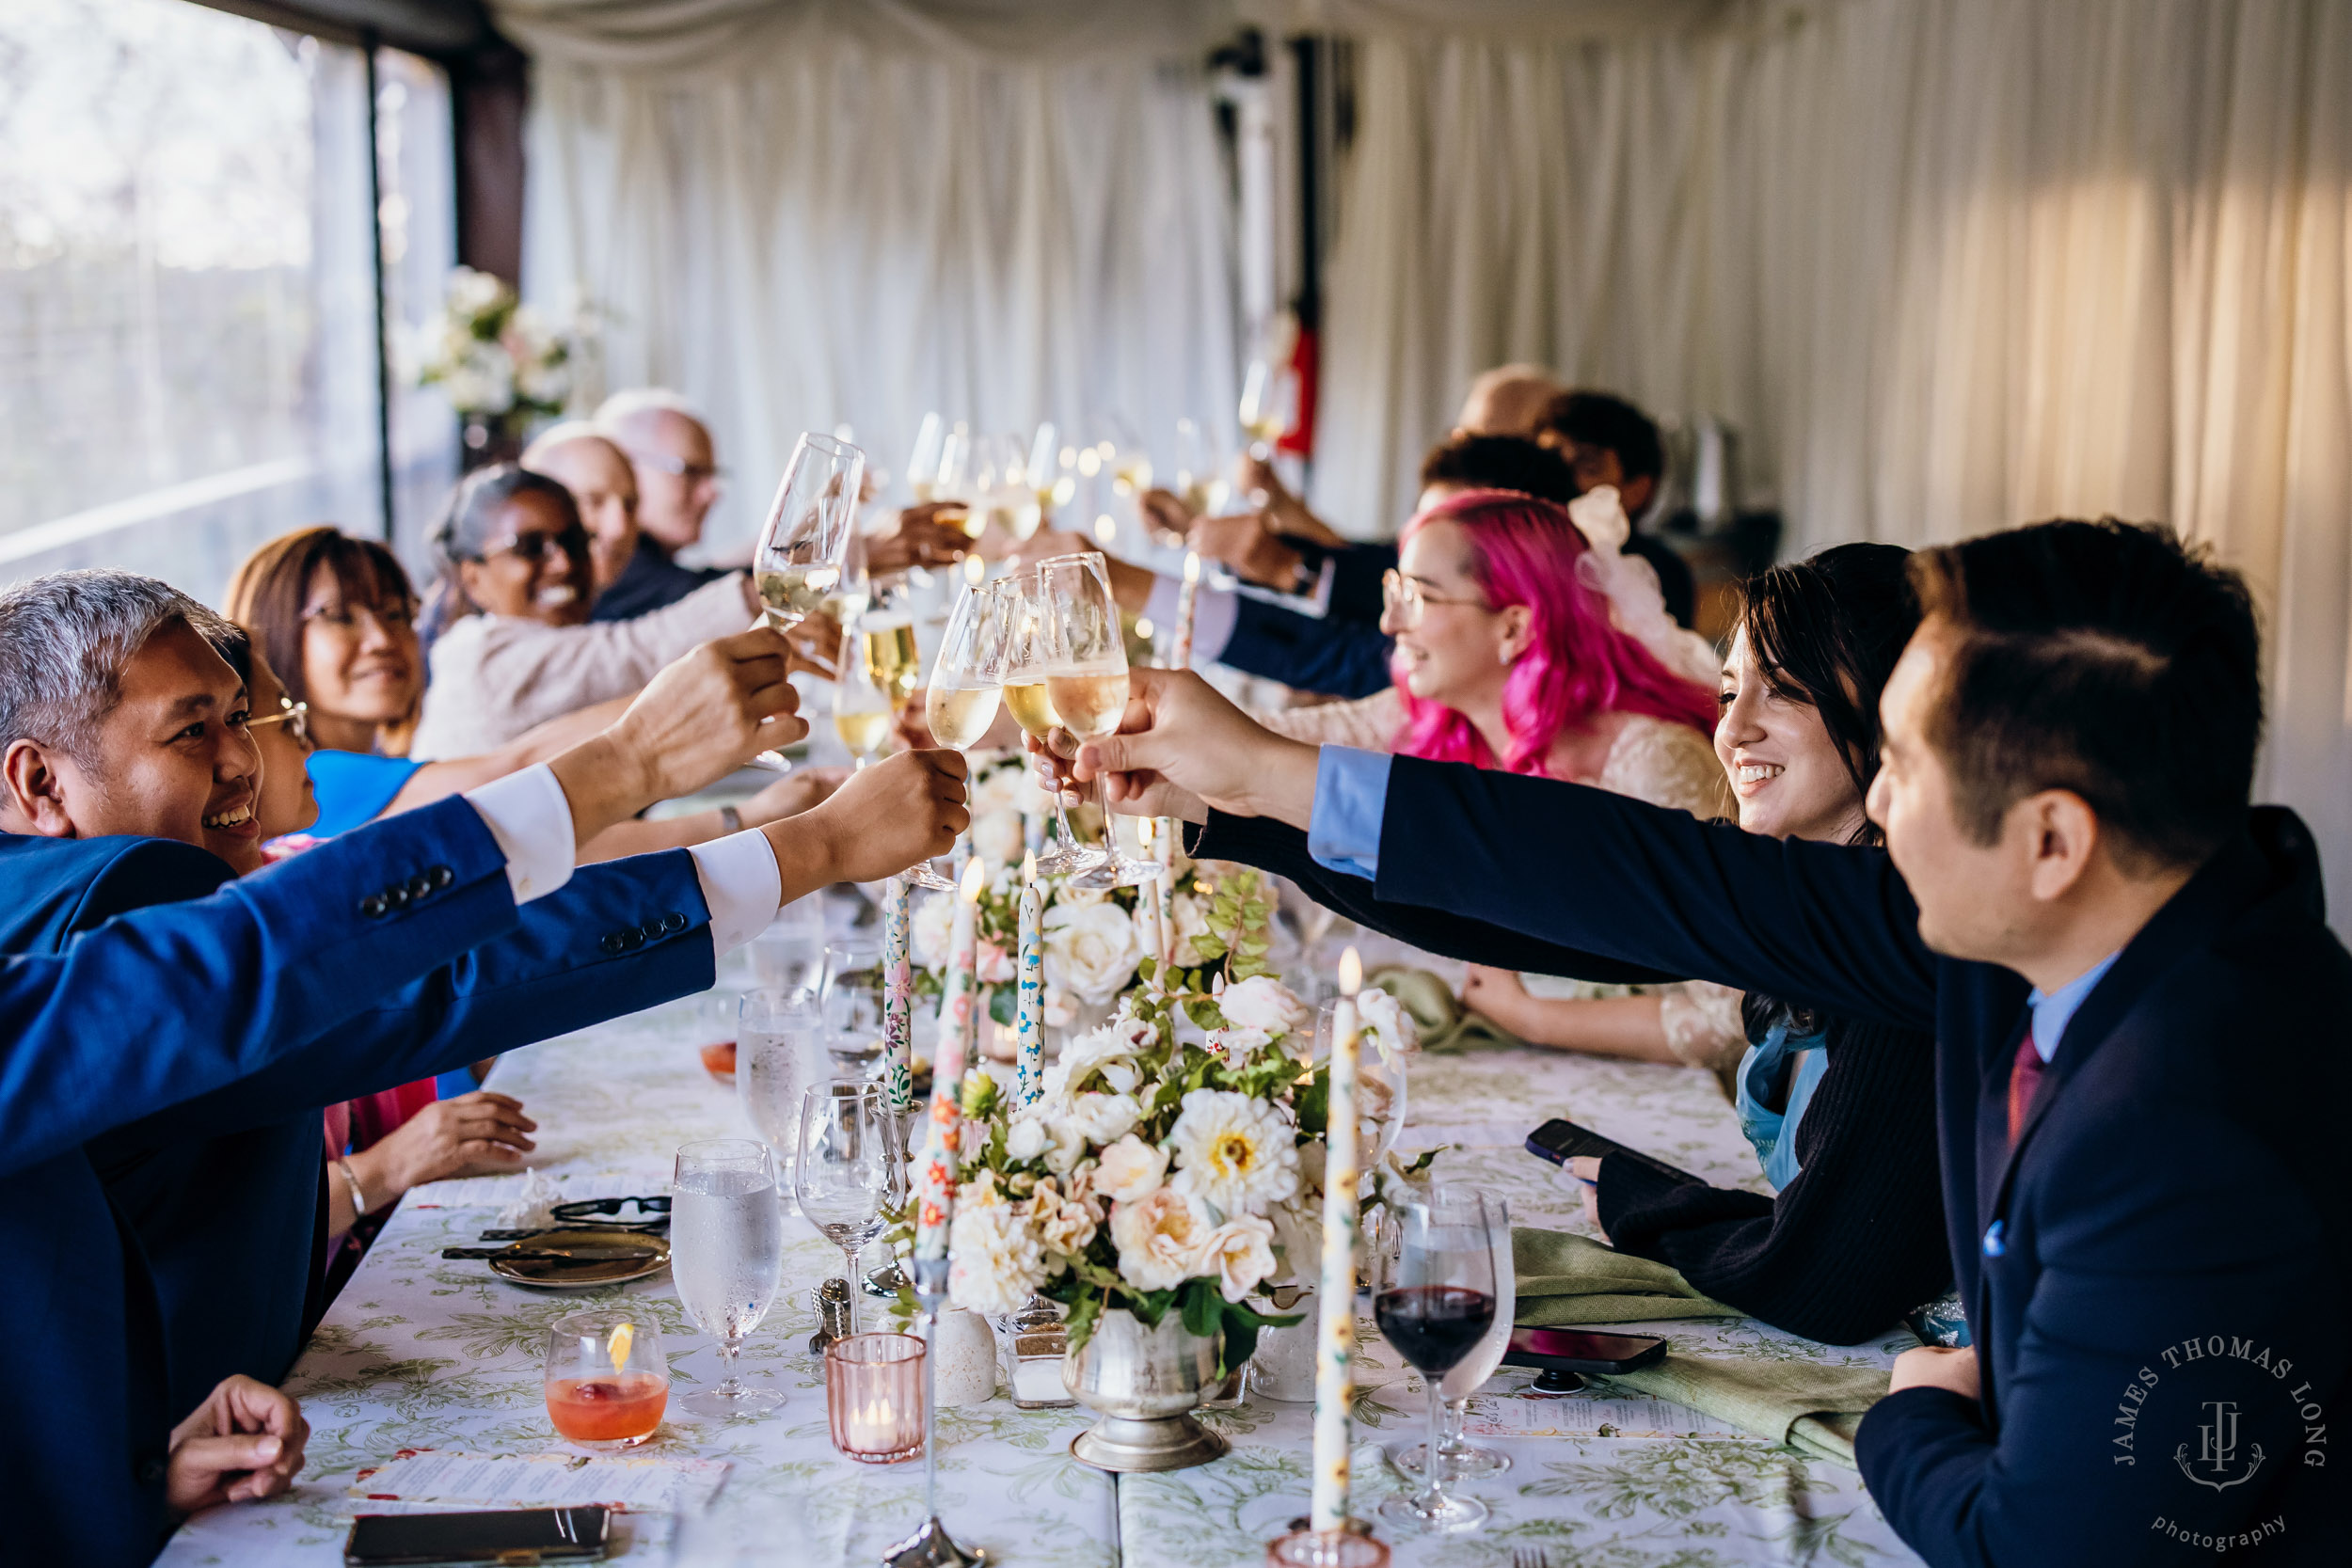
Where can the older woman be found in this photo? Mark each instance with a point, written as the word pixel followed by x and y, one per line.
pixel 1513 651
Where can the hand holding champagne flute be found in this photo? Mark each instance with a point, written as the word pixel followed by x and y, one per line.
pixel 1085 661
pixel 961 702
pixel 805 545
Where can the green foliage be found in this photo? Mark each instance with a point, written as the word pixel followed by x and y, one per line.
pixel 1239 914
pixel 1001 1004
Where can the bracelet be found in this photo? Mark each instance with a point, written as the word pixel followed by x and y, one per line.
pixel 351 1180
pixel 730 820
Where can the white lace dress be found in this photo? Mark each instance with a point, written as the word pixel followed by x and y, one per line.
pixel 1665 764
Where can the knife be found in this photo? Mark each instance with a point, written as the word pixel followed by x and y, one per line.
pixel 549 1254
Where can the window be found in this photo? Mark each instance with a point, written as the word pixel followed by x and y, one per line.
pixel 188 359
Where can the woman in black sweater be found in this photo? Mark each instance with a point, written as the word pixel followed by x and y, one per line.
pixel 1854 1238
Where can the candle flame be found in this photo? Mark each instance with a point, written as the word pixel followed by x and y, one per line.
pixel 976 877
pixel 1192 565
pixel 1351 972
pixel 1028 868
pixel 1107 528
pixel 1144 826
pixel 974 570
pixel 1144 629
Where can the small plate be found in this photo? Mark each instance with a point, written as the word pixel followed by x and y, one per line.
pixel 558 1274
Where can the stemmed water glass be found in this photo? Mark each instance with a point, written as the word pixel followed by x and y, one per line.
pixel 1435 1307
pixel 1084 661
pixel 961 702
pixel 1461 1459
pixel 805 545
pixel 850 1167
pixel 775 1058
pixel 855 999
pixel 1032 708
pixel 726 1257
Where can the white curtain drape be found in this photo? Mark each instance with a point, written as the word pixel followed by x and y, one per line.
pixel 801 217
pixel 1948 264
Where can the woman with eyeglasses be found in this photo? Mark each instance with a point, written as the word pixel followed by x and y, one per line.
pixel 337 616
pixel 1524 645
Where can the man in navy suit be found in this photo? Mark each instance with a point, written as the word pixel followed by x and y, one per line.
pixel 2139 1006
pixel 170 1046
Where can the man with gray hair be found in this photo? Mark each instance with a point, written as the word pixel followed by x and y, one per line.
pixel 668 447
pixel 167 1038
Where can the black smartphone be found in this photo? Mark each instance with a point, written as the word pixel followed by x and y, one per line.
pixel 517 1535
pixel 1562 1141
pixel 1577 1350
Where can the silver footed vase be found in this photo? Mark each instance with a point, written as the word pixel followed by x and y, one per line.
pixel 1144 1384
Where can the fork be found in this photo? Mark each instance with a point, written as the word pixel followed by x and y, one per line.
pixel 1530 1556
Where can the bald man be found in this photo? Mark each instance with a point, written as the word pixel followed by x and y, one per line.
pixel 668 449
pixel 1509 399
pixel 599 475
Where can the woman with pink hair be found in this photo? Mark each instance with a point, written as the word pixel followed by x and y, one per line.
pixel 1525 645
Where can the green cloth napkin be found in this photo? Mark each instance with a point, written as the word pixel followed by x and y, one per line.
pixel 1566 1279
pixel 1446 1026
pixel 1814 1409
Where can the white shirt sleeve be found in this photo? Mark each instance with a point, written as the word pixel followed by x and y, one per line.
pixel 531 821
pixel 742 885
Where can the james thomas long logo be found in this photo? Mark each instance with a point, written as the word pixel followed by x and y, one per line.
pixel 2216 1464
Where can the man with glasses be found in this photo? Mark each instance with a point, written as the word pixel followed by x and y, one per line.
pixel 677 481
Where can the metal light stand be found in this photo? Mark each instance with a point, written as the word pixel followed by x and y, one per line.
pixel 930 1546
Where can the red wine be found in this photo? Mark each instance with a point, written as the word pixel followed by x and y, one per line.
pixel 1433 1326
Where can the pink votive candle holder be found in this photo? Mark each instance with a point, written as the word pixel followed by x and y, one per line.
pixel 874 1396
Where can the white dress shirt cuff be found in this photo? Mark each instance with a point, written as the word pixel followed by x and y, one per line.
pixel 742 885
pixel 531 821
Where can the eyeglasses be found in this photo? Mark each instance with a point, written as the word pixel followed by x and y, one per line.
pixel 392 616
pixel 533 547
pixel 294 716
pixel 692 473
pixel 1404 598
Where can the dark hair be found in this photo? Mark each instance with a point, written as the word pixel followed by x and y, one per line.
pixel 271 590
pixel 1826 632
pixel 2107 658
pixel 1604 419
pixel 1499 462
pixel 464 526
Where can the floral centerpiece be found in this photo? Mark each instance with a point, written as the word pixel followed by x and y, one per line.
pixel 499 362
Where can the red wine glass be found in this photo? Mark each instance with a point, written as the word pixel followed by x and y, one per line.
pixel 1436 1304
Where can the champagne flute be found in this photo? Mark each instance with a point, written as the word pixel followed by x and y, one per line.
pixel 961 702
pixel 861 708
pixel 886 643
pixel 1435 1307
pixel 959 469
pixel 850 1169
pixel 806 540
pixel 923 463
pixel 1085 661
pixel 1463 1460
pixel 1032 708
pixel 726 1257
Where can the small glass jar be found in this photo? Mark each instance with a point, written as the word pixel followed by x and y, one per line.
pixel 607 1380
pixel 874 1397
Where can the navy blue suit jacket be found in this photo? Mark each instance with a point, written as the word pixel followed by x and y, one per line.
pixel 1340 658
pixel 2154 1278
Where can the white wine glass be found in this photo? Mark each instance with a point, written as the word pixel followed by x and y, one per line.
pixel 726 1258
pixel 958 478
pixel 959 705
pixel 1084 658
pixel 861 708
pixel 923 462
pixel 805 545
pixel 850 1168
pixel 1032 708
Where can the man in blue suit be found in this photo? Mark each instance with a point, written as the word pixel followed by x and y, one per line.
pixel 170 1046
pixel 2139 1006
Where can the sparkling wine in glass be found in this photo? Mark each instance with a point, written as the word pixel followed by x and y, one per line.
pixel 1435 1307
pixel 923 462
pixel 961 702
pixel 1032 707
pixel 804 550
pixel 1085 661
pixel 861 708
pixel 850 1169
pixel 885 647
pixel 726 1257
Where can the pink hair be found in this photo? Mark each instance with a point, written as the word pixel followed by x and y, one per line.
pixel 1526 551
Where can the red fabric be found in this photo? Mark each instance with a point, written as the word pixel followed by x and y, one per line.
pixel 371 1119
pixel 1307 364
pixel 2025 1077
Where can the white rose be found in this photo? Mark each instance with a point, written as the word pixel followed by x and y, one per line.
pixel 1065 1225
pixel 1240 1253
pixel 1027 1138
pixel 1298 1235
pixel 1237 1046
pixel 1060 1014
pixel 996 1263
pixel 472 292
pixel 1104 1049
pixel 1192 919
pixel 1079 898
pixel 1091 949
pixel 996 837
pixel 1392 1030
pixel 1159 1238
pixel 1130 1169
pixel 1261 1002
pixel 932 929
pixel 998 788
pixel 1103 1118
pixel 1237 1154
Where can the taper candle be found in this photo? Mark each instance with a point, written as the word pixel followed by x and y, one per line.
pixel 897 997
pixel 937 1191
pixel 1336 1353
pixel 1180 654
pixel 1029 979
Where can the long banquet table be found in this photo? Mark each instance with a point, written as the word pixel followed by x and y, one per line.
pixel 420 1353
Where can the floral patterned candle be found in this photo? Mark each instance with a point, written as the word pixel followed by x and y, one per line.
pixel 1148 916
pixel 897 997
pixel 1337 1295
pixel 1180 654
pixel 1029 977
pixel 937 1189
